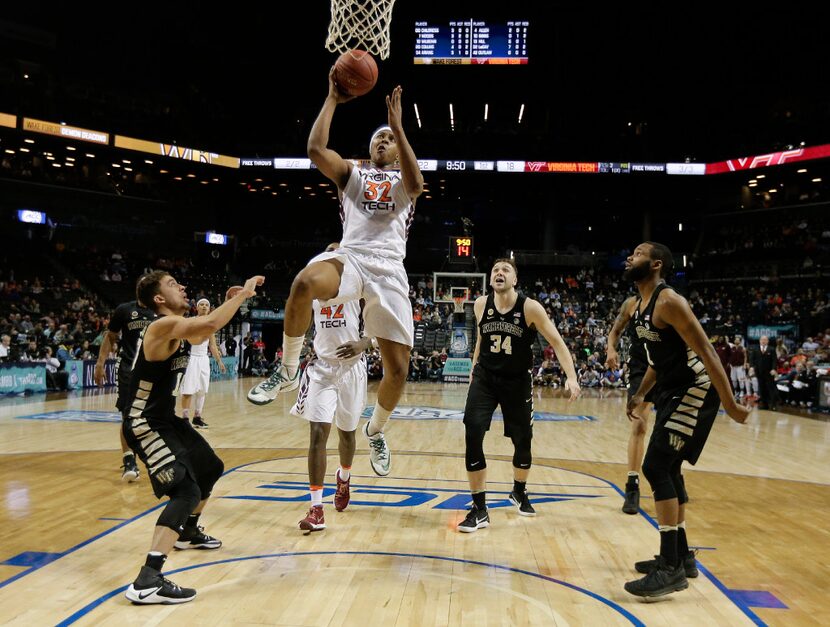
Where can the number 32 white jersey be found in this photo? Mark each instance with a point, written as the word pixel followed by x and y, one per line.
pixel 376 213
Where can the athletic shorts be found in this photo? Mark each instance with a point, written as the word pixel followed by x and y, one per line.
pixel 332 392
pixel 636 372
pixel 197 376
pixel 513 394
pixel 169 446
pixel 684 419
pixel 122 381
pixel 384 286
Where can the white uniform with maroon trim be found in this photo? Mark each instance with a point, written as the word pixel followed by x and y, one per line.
pixel 332 389
pixel 197 376
pixel 376 212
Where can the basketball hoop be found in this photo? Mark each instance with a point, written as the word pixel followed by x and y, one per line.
pixel 459 302
pixel 360 24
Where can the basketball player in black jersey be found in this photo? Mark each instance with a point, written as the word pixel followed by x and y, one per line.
pixel 125 327
pixel 691 384
pixel 637 366
pixel 502 363
pixel 180 463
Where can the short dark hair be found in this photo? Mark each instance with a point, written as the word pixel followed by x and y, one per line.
pixel 147 286
pixel 507 260
pixel 661 252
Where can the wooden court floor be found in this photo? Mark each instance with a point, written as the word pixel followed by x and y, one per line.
pixel 72 535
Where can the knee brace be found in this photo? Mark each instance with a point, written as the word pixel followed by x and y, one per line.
pixel 656 471
pixel 474 454
pixel 521 452
pixel 184 497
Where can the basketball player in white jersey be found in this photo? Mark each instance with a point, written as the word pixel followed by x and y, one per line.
pixel 377 207
pixel 332 389
pixel 196 379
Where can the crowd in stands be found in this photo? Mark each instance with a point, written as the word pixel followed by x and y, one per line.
pixel 50 320
pixel 786 246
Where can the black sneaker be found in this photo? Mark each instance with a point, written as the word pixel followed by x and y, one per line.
pixel 522 504
pixel 199 423
pixel 476 519
pixel 150 588
pixel 689 565
pixel 660 580
pixel 195 538
pixel 632 502
pixel 131 471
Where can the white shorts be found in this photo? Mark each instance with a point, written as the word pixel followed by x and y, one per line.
pixel 383 284
pixel 197 376
pixel 330 392
pixel 738 374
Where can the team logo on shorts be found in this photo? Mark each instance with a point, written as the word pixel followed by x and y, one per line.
pixel 165 476
pixel 134 314
pixel 676 441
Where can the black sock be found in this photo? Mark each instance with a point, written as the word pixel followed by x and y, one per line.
pixel 519 487
pixel 668 544
pixel 155 560
pixel 480 500
pixel 682 543
pixel 192 521
pixel 633 483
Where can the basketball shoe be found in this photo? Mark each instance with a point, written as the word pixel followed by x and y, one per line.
pixel 314 520
pixel 151 588
pixel 266 391
pixel 380 456
pixel 341 496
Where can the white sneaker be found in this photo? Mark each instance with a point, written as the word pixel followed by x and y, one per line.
pixel 379 454
pixel 266 391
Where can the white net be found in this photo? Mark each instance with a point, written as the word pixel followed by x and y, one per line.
pixel 459 297
pixel 360 24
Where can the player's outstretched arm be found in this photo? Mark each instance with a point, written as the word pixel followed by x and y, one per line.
pixel 331 164
pixel 161 336
pixel 674 310
pixel 413 180
pixel 536 315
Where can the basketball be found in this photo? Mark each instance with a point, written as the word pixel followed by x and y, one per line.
pixel 356 72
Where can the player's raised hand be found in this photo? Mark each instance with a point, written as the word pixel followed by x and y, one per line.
pixel 249 288
pixel 335 92
pixel 393 106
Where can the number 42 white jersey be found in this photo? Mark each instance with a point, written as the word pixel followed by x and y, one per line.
pixel 376 213
pixel 335 325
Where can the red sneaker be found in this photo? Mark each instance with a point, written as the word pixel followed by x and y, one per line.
pixel 341 497
pixel 314 520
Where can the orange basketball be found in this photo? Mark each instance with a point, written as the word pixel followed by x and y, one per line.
pixel 356 72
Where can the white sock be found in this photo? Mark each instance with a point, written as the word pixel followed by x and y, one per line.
pixel 200 403
pixel 633 473
pixel 186 413
pixel 131 454
pixel 380 417
pixel 291 347
pixel 345 473
pixel 316 497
